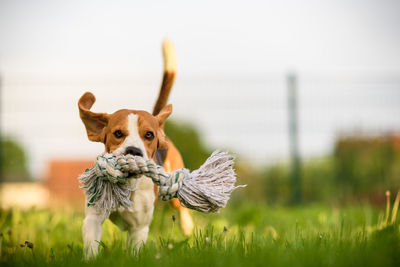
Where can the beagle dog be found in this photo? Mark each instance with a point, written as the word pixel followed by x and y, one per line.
pixel 139 133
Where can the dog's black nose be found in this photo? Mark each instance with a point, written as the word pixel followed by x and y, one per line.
pixel 134 151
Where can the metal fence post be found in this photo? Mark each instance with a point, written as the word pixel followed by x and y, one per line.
pixel 295 171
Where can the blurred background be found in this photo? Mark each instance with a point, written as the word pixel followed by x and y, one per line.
pixel 305 93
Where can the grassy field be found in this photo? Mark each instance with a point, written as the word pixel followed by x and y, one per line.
pixel 241 235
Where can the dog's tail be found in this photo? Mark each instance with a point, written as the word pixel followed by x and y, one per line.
pixel 168 76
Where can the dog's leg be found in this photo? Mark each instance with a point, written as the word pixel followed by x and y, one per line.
pixel 138 219
pixel 137 237
pixel 91 232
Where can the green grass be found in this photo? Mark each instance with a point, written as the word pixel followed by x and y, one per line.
pixel 256 235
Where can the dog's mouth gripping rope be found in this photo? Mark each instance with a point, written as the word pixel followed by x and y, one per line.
pixel 206 189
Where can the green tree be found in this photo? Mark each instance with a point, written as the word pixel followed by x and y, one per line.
pixel 189 143
pixel 13 161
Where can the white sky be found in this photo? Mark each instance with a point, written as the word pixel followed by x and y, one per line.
pixel 64 37
pixel 232 59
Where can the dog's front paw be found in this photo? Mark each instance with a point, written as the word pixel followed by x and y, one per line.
pixel 90 253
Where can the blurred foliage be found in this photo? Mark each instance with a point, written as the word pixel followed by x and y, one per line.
pixel 317 182
pixel 360 169
pixel 13 162
pixel 367 166
pixel 187 139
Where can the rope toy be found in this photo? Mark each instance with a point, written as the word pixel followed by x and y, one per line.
pixel 107 185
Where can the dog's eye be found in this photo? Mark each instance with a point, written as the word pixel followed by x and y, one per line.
pixel 149 136
pixel 118 134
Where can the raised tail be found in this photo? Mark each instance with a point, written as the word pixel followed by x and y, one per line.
pixel 168 75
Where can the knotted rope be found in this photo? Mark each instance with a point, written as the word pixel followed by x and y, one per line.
pixel 207 189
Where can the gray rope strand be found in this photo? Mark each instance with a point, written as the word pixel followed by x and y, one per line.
pixel 206 189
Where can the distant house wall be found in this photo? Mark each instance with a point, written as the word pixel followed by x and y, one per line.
pixel 62 181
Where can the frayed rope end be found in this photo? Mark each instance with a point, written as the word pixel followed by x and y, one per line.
pixel 208 188
pixel 103 195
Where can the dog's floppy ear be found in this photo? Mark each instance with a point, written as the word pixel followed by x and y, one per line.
pixel 164 114
pixel 162 140
pixel 161 117
pixel 94 122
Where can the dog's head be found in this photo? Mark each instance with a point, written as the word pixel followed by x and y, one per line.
pixel 134 132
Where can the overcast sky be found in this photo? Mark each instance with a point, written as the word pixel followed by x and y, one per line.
pixel 233 57
pixel 79 37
